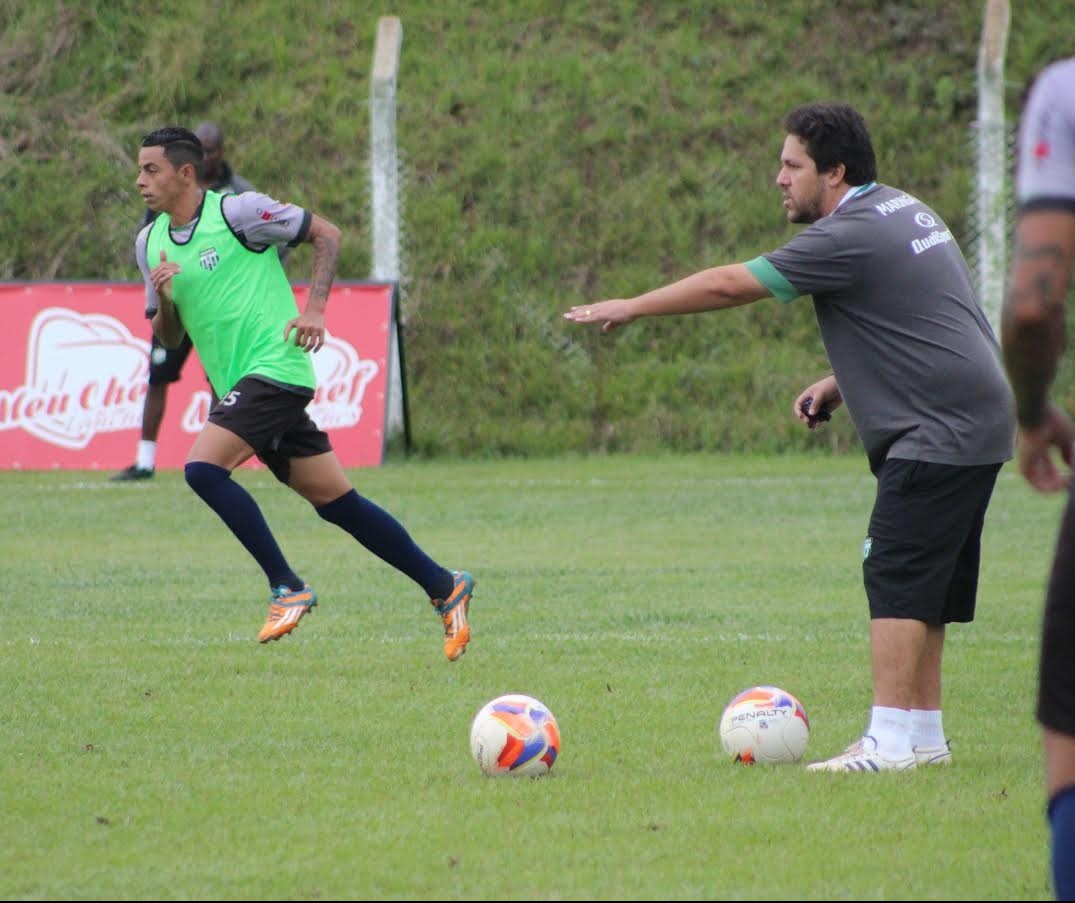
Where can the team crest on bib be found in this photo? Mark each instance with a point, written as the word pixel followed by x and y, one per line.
pixel 208 258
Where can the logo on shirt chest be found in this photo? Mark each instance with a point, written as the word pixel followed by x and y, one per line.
pixel 208 258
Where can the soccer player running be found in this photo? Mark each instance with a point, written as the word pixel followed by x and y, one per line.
pixel 917 365
pixel 1032 337
pixel 207 277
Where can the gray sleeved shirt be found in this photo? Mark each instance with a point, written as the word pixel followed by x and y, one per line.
pixel 917 363
pixel 257 220
pixel 1045 176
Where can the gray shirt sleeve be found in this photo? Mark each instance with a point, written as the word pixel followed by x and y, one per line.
pixel 818 261
pixel 260 221
pixel 143 264
pixel 1046 170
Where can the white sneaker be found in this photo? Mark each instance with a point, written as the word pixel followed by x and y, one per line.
pixel 863 756
pixel 934 755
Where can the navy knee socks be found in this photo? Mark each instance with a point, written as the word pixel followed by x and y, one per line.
pixel 383 535
pixel 237 508
pixel 1062 825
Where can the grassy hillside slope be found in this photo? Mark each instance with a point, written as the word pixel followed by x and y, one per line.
pixel 552 153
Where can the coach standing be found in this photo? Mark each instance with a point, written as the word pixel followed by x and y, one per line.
pixel 918 366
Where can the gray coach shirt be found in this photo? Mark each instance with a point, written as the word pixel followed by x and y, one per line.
pixel 915 358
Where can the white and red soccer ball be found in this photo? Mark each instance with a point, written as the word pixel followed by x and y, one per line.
pixel 764 725
pixel 515 735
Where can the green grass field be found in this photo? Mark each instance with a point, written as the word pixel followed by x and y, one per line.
pixel 154 750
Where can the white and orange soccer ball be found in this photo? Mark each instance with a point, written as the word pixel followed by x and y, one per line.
pixel 515 735
pixel 764 725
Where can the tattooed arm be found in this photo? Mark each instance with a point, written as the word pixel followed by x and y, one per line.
pixel 309 326
pixel 1032 321
pixel 1032 337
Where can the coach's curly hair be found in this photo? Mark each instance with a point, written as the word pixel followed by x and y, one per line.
pixel 835 133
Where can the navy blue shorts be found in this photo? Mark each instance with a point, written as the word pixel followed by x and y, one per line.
pixel 921 556
pixel 273 421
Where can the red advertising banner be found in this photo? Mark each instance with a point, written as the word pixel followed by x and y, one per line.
pixel 75 364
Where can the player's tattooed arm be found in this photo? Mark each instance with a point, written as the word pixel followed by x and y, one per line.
pixel 307 330
pixel 1033 314
pixel 326 241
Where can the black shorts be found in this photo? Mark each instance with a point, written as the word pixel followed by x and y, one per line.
pixel 921 555
pixel 273 421
pixel 166 364
pixel 1056 677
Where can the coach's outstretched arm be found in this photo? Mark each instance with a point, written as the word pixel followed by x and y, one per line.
pixel 713 289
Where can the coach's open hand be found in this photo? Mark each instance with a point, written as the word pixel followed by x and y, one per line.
pixel 611 314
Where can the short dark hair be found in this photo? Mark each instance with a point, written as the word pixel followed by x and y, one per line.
pixel 835 133
pixel 181 146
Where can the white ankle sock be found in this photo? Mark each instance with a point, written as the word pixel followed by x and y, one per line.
pixel 891 728
pixel 926 729
pixel 147 454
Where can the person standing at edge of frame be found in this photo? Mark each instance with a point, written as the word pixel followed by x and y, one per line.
pixel 1032 338
pixel 918 366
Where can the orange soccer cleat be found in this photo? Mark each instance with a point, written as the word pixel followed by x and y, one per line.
pixel 453 611
pixel 286 608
